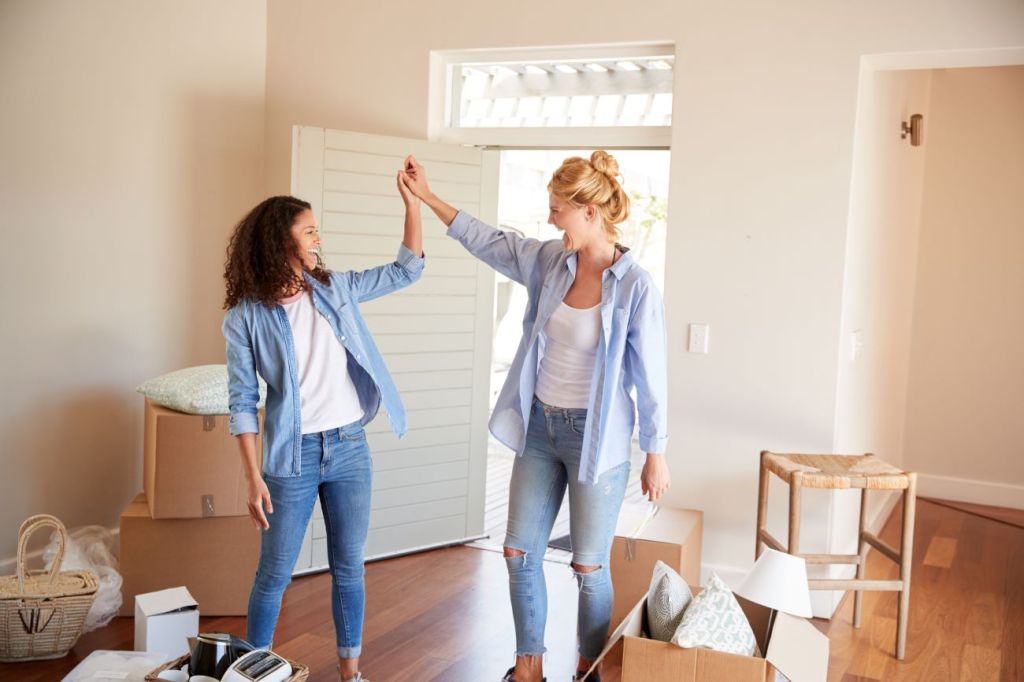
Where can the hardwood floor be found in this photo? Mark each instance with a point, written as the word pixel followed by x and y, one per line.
pixel 444 615
pixel 966 604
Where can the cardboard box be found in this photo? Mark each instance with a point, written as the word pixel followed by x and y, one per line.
pixel 646 534
pixel 214 558
pixel 796 650
pixel 192 467
pixel 165 620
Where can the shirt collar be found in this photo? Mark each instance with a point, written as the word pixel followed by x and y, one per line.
pixel 618 268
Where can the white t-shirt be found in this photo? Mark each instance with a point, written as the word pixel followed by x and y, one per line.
pixel 328 396
pixel 571 337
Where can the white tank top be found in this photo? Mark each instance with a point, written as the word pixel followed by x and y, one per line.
pixel 571 337
pixel 326 392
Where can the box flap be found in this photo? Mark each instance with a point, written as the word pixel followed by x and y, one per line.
pixel 656 524
pixel 634 517
pixel 798 650
pixel 166 601
pixel 631 625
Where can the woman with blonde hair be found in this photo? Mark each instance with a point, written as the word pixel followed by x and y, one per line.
pixel 593 332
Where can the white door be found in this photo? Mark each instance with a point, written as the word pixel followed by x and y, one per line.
pixel 428 487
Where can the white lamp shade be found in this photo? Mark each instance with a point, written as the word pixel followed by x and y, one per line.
pixel 778 581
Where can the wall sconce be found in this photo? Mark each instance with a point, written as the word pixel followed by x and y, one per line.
pixel 914 129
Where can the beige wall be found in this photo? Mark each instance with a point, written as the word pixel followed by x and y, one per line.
pixel 132 138
pixel 966 389
pixel 765 102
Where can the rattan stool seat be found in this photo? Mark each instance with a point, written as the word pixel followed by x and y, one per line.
pixel 837 471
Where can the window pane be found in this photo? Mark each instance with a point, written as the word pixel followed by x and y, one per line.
pixel 595 91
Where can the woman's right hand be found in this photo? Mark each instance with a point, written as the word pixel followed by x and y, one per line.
pixel 259 503
pixel 414 176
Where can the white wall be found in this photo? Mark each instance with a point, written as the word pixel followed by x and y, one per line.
pixel 966 388
pixel 132 138
pixel 765 101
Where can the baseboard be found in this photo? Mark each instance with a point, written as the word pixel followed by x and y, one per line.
pixel 969 490
pixel 9 566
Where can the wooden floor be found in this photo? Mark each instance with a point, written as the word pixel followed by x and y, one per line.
pixel 444 615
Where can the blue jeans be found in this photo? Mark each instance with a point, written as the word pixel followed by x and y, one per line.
pixel 548 466
pixel 336 465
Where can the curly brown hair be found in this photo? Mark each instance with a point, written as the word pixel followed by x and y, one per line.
pixel 258 252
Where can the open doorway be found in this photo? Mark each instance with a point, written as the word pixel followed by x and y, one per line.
pixel 523 208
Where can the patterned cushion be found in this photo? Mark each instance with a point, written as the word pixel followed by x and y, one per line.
pixel 195 390
pixel 666 601
pixel 714 620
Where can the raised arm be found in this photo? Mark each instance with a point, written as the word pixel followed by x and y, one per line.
pixel 507 252
pixel 408 265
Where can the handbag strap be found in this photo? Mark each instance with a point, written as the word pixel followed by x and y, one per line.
pixel 28 528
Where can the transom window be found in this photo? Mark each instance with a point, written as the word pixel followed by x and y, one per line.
pixel 617 95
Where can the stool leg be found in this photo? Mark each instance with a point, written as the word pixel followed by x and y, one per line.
pixel 795 482
pixel 906 561
pixel 762 505
pixel 858 595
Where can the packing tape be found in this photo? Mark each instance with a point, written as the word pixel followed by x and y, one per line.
pixel 209 422
pixel 207 503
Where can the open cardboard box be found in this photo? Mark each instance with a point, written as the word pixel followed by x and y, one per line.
pixel 645 535
pixel 796 650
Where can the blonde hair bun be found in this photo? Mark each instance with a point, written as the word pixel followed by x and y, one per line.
pixel 603 162
pixel 582 182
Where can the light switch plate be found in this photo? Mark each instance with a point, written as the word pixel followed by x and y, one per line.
pixel 698 337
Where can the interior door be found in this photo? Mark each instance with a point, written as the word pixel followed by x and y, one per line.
pixel 428 488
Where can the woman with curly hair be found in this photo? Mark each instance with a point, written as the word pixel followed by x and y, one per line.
pixel 594 331
pixel 297 324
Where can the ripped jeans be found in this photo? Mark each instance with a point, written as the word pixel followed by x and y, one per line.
pixel 549 465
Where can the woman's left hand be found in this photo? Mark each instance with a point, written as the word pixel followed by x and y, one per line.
pixel 655 478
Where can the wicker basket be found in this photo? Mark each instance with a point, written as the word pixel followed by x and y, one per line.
pixel 42 613
pixel 300 673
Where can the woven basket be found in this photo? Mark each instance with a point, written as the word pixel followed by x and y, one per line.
pixel 300 673
pixel 42 613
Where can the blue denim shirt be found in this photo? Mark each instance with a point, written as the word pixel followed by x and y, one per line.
pixel 259 340
pixel 632 353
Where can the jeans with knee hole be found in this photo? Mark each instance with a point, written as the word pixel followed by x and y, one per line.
pixel 336 465
pixel 540 477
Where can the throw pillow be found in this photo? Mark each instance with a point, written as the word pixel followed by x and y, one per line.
pixel 666 600
pixel 714 620
pixel 194 390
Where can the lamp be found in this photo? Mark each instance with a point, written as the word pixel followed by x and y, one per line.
pixel 913 129
pixel 778 581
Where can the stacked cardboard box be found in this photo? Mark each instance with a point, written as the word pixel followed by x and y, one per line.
pixel 191 526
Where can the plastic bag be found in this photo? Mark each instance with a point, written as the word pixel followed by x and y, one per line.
pixel 127 666
pixel 90 548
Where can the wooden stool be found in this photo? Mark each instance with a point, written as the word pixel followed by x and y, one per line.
pixel 836 472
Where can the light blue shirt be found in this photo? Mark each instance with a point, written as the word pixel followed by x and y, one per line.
pixel 631 353
pixel 259 340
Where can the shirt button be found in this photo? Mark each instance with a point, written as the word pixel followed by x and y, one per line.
pixel 342 338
